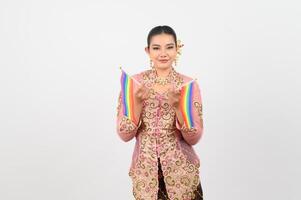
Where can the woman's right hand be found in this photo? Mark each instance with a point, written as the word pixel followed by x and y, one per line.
pixel 141 94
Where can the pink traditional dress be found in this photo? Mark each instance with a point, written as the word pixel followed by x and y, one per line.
pixel 164 163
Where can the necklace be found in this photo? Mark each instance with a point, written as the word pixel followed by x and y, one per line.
pixel 162 81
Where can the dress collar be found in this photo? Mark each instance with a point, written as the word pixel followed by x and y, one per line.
pixel 174 77
pixel 169 77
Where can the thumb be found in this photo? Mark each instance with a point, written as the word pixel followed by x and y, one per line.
pixel 176 89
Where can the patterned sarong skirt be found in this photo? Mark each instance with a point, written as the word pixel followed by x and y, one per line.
pixel 162 193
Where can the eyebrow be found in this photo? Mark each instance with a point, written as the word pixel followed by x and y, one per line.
pixel 165 45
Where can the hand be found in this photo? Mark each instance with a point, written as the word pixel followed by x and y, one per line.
pixel 141 94
pixel 174 96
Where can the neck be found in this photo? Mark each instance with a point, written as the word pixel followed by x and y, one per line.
pixel 163 72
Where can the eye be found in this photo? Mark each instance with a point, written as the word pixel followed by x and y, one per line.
pixel 155 48
pixel 171 47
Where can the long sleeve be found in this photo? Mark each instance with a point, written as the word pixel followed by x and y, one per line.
pixel 126 128
pixel 194 134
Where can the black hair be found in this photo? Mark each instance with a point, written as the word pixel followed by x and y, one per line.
pixel 161 29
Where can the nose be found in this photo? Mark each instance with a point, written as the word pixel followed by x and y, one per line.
pixel 163 54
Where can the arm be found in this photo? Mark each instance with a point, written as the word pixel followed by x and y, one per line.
pixel 192 135
pixel 126 128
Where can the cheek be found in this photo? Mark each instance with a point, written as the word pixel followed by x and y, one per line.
pixel 153 54
pixel 172 54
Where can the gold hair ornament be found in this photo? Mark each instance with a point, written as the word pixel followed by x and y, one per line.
pixel 179 50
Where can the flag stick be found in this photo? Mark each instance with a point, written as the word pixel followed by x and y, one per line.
pixel 131 77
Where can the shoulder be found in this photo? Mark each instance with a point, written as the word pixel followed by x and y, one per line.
pixel 142 75
pixel 186 78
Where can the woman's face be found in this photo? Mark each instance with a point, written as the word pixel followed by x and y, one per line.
pixel 162 50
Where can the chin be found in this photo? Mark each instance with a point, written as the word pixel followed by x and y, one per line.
pixel 164 66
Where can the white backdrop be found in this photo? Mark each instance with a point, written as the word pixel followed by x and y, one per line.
pixel 59 82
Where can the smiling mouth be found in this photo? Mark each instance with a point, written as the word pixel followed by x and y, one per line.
pixel 163 61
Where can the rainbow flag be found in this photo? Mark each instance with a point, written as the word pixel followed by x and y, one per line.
pixel 186 104
pixel 127 95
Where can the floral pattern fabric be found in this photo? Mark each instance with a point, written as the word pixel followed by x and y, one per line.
pixel 162 144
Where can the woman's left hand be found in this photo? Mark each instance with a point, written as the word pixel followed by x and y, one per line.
pixel 174 95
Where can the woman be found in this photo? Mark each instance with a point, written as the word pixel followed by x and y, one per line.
pixel 164 163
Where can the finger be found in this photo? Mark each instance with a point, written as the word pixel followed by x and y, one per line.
pixel 148 94
pixel 178 89
pixel 139 88
pixel 144 90
pixel 175 88
pixel 148 90
pixel 169 90
pixel 144 87
pixel 145 95
pixel 140 94
pixel 172 87
pixel 139 91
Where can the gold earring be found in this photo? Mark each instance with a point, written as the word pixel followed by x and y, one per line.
pixel 179 51
pixel 151 64
pixel 176 61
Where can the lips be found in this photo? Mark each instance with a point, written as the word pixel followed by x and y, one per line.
pixel 163 61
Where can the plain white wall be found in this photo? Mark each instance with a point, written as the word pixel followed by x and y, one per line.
pixel 59 82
